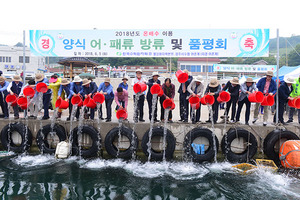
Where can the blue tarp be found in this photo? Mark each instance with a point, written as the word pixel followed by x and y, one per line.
pixel 283 71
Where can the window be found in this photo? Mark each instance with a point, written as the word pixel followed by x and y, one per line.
pixel 21 59
pixel 188 67
pixel 182 67
pixel 198 68
pixel 0 58
pixel 193 68
pixel 6 59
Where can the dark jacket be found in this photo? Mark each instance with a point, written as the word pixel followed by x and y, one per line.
pixel 261 84
pixel 150 84
pixel 284 92
pixel 215 90
pixel 89 90
pixel 168 91
pixel 16 89
pixel 186 86
pixel 234 91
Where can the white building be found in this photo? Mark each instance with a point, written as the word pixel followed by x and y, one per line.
pixel 11 61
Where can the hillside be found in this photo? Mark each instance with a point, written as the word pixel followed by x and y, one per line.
pixel 284 46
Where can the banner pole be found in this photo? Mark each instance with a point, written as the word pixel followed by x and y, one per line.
pixel 277 75
pixel 24 67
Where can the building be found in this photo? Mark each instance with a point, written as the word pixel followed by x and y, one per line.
pixel 11 60
pixel 198 66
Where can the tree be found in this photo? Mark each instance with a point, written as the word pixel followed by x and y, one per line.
pixel 294 56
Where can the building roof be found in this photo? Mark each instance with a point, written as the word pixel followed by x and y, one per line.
pixel 200 59
pixel 78 60
pixel 260 62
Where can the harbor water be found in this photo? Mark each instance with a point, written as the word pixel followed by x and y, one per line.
pixel 44 177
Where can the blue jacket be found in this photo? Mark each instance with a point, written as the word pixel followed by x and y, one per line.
pixel 108 89
pixel 75 88
pixel 123 86
pixel 88 90
pixel 261 84
pixel 4 87
pixel 67 89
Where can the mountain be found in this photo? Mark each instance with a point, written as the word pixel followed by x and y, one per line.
pixel 285 44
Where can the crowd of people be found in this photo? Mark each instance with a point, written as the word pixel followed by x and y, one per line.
pixel 239 93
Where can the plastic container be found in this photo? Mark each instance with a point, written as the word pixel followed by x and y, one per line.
pixel 168 104
pixel 155 89
pixel 89 102
pixel 41 87
pixel 223 97
pixel 181 76
pixel 61 104
pixel 28 92
pixel 161 92
pixel 98 97
pixel 268 101
pixel 256 97
pixel 207 100
pixel 194 100
pixel 62 150
pixel 122 113
pixel 77 100
pixel 23 103
pixel 11 99
pixel 139 87
pixel 295 103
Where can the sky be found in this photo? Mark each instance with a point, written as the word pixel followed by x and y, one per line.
pixel 17 15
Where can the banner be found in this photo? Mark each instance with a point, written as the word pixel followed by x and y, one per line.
pixel 244 68
pixel 151 43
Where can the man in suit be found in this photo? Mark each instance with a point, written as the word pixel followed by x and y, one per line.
pixel 284 91
pixel 183 102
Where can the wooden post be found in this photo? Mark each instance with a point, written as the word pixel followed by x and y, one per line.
pixel 64 71
pixel 71 71
pixel 85 70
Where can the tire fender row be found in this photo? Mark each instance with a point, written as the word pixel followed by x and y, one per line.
pixel 238 144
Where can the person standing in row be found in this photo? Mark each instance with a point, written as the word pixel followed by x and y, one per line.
pixel 14 88
pixel 124 83
pixel 139 112
pixel 40 78
pixel 75 87
pixel 32 107
pixel 88 89
pixel 154 80
pixel 54 84
pixel 169 92
pixel 106 89
pixel 65 89
pixel 121 98
pixel 284 91
pixel 183 103
pixel 3 91
pixel 295 93
pixel 233 87
pixel 246 88
pixel 213 89
pixel 196 88
pixel 267 86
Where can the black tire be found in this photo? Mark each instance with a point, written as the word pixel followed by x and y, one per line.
pixel 86 152
pixel 25 133
pixel 209 153
pixel 271 140
pixel 113 150
pixel 170 140
pixel 41 137
pixel 244 156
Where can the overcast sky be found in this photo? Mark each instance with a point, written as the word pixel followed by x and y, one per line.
pixel 20 15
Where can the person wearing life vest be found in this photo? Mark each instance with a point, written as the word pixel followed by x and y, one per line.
pixel 40 78
pixel 14 88
pixel 3 91
pixel 284 92
pixel 267 86
pixel 295 93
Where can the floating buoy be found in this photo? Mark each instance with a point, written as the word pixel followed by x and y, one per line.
pixel 289 154
pixel 62 150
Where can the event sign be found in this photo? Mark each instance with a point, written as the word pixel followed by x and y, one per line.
pixel 151 43
pixel 244 68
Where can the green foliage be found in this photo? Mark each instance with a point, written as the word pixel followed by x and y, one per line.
pixel 293 56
